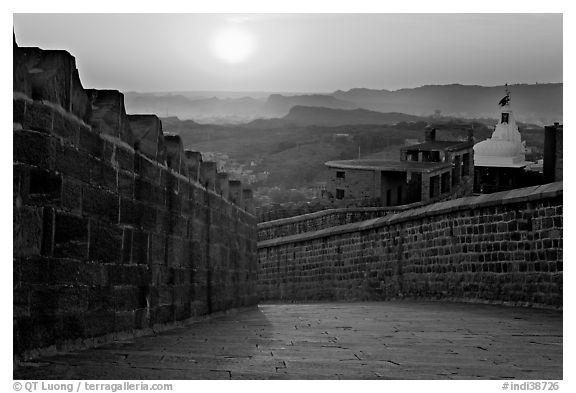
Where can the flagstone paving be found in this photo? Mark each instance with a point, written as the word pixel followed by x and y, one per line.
pixel 376 340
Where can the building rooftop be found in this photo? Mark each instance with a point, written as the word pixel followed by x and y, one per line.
pixel 440 145
pixel 388 166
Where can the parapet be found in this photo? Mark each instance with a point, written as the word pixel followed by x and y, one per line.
pixel 175 153
pixel 208 174
pixel 222 187
pixel 235 190
pixel 109 115
pixel 148 136
pixel 247 200
pixel 50 75
pixel 193 160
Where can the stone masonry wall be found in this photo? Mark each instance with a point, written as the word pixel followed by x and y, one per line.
pixel 107 240
pixel 322 219
pixel 503 247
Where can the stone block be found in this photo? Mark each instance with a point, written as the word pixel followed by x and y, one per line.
pixel 164 314
pixel 125 158
pixel 162 221
pixel 176 251
pixel 208 174
pixel 102 174
pixel 129 212
pixel 173 202
pixel 141 318
pixel 235 191
pixel 129 297
pixel 27 231
pixel 222 187
pixel 157 249
pixel 147 170
pixel 126 184
pixel 144 191
pixel 99 323
pixel 100 203
pixel 105 243
pixel 174 151
pixel 109 115
pixel 247 200
pixel 70 236
pixel 24 59
pixel 192 162
pixel 148 136
pixel 70 326
pixel 34 148
pixel 45 187
pixel 38 117
pixel 71 195
pixel 18 110
pixel 139 247
pixel 35 331
pixel 147 216
pixel 124 321
pixel 90 142
pixel 71 162
pixel 20 184
pixel 126 257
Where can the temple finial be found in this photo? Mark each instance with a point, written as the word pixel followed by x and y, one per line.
pixel 504 101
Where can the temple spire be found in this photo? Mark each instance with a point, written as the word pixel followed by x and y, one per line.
pixel 506 99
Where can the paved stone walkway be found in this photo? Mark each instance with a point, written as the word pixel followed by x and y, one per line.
pixel 384 340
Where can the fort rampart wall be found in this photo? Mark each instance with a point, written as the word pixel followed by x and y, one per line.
pixel 499 248
pixel 115 229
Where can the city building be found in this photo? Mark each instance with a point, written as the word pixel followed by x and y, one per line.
pixel 426 171
pixel 553 158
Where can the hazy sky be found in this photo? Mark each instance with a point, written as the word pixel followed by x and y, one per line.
pixel 300 52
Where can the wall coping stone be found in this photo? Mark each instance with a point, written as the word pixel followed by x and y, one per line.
pixel 521 195
pixel 327 212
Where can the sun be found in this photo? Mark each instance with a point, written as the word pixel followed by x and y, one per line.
pixel 233 45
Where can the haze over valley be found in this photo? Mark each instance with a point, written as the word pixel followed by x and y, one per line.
pixel 534 103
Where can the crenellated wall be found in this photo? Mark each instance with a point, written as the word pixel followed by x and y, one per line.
pixel 113 232
pixel 503 248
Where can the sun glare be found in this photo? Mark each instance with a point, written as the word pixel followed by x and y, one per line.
pixel 233 45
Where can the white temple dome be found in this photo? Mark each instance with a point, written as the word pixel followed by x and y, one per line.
pixel 505 147
pixel 495 148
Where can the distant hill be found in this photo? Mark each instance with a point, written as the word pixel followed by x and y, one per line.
pixel 304 115
pixel 279 105
pixel 236 109
pixel 538 103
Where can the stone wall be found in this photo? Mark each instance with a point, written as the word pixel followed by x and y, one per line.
pixel 355 183
pixel 322 219
pixel 503 248
pixel 110 239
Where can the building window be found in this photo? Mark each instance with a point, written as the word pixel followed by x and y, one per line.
pixel 504 117
pixel 445 183
pixel 340 175
pixel 339 193
pixel 388 197
pixel 399 196
pixel 456 171
pixel 466 164
pixel 434 186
